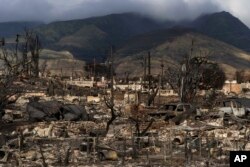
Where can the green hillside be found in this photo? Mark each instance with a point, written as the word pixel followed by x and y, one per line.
pixel 134 35
pixel 90 37
pixel 225 27
pixel 171 46
pixel 61 63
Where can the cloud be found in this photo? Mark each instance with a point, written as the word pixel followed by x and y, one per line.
pixel 22 10
pixel 239 8
pixel 50 10
pixel 160 9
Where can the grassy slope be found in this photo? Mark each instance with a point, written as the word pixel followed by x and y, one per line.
pixel 90 37
pixel 63 61
pixel 171 46
pixel 225 27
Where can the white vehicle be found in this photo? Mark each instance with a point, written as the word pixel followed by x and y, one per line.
pixel 230 106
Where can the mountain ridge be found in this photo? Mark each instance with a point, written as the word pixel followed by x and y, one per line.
pixel 90 37
pixel 116 27
pixel 131 33
pixel 172 47
pixel 225 27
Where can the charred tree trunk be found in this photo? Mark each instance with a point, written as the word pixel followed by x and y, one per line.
pixel 152 96
pixel 138 123
pixel 35 47
pixel 110 104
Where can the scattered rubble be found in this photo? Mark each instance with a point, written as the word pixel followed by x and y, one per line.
pixel 59 133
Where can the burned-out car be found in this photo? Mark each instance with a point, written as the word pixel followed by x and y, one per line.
pixel 172 110
pixel 230 107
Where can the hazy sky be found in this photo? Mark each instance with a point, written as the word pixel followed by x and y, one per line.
pixel 51 10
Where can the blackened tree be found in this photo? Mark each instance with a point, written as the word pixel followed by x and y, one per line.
pixel 197 73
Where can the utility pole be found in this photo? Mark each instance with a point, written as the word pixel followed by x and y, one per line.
pixel 17 41
pixel 149 70
pixel 145 68
pixel 25 55
pixel 162 68
pixel 144 72
pixel 112 79
pixel 94 68
pixel 151 93
pixel 72 73
pixel 36 58
pixel 191 54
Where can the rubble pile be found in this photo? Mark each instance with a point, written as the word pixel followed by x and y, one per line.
pixel 123 133
pixel 66 128
pixel 47 143
pixel 62 134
